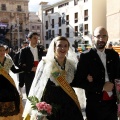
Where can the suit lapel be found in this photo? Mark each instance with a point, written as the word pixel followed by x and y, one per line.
pixel 96 58
pixel 39 52
pixel 29 52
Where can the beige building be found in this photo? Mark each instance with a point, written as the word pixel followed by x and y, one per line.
pixel 73 19
pixel 14 22
pixel 35 25
pixel 113 21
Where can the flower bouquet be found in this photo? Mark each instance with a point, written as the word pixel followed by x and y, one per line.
pixel 117 86
pixel 43 109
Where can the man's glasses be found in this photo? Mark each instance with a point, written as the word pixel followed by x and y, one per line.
pixel 101 36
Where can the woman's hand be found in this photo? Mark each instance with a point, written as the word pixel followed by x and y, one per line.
pixel 90 78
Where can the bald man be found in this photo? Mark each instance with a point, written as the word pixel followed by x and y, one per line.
pixel 96 71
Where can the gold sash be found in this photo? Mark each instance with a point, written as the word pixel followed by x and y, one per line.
pixel 6 75
pixel 61 80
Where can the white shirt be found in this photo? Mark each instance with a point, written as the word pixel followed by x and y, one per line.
pixel 102 56
pixel 34 52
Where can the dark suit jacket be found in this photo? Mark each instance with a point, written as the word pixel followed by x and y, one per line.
pixel 90 63
pixel 26 63
pixel 26 59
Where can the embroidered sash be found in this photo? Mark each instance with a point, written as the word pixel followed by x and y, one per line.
pixel 13 107
pixel 61 80
pixel 6 75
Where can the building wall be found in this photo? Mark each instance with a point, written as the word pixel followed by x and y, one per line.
pixel 35 25
pixel 96 17
pixel 14 17
pixel 98 13
pixel 113 20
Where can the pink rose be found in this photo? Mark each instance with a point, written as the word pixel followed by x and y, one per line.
pixel 44 107
pixel 40 105
pixel 49 109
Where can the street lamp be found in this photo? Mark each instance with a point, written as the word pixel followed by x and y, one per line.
pixel 18 32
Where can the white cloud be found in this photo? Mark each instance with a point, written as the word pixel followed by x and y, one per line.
pixel 34 4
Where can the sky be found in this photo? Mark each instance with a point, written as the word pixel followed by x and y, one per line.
pixel 34 4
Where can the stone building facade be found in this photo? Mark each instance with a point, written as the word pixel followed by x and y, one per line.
pixel 14 21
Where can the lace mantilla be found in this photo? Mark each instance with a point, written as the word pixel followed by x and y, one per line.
pixel 8 64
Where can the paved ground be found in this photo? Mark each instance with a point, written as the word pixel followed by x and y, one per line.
pixel 79 92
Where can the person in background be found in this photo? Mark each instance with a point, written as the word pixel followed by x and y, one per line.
pixel 11 52
pixel 10 103
pixel 110 46
pixel 29 59
pixel 16 61
pixel 58 65
pixel 103 66
pixel 7 50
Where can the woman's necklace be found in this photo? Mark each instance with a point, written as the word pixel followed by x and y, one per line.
pixel 63 66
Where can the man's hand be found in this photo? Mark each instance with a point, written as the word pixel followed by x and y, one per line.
pixel 108 86
pixel 34 69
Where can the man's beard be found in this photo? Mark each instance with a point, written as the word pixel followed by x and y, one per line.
pixel 100 45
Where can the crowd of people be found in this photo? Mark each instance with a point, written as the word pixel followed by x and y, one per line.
pixel 51 76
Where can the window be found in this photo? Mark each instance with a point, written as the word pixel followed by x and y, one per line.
pixel 52 23
pixel 46 37
pixel 67 19
pixel 67 32
pixel 60 32
pixel 76 2
pixel 49 11
pixel 86 29
pixel 85 15
pixel 53 34
pixel 59 21
pixel 3 6
pixel 76 31
pixel 85 0
pixel 19 8
pixel 63 18
pixel 46 25
pixel 76 17
pixel 49 34
pixel 62 5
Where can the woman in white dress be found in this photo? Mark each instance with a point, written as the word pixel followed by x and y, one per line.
pixel 52 82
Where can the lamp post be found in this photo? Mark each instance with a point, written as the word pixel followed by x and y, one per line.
pixel 18 32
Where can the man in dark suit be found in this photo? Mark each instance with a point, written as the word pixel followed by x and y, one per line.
pixel 29 58
pixel 96 71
